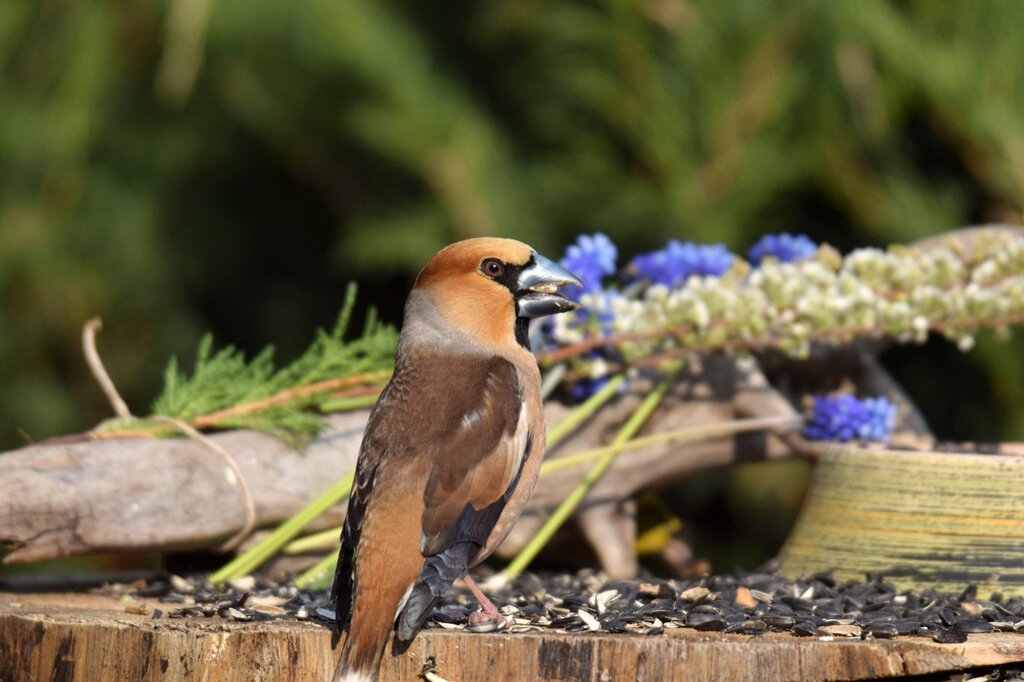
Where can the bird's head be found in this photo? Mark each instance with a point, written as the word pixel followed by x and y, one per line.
pixel 490 288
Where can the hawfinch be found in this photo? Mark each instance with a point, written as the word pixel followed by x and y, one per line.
pixel 452 448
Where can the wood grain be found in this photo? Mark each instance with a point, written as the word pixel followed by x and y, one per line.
pixel 81 638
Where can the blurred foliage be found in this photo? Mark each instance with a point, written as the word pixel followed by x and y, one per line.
pixel 186 165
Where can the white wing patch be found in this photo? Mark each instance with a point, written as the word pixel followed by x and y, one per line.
pixel 517 442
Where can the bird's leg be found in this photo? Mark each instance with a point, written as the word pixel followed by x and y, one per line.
pixel 488 611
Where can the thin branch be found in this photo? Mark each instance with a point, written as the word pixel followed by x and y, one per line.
pixel 236 472
pixel 371 378
pixel 339 401
pixel 99 372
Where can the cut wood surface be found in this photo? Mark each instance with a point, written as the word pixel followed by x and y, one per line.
pixel 80 637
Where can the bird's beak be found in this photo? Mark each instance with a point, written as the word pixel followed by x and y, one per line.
pixel 538 288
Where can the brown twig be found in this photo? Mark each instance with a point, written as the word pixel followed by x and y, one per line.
pixel 120 408
pixel 235 477
pixel 210 420
pixel 99 372
pixel 214 420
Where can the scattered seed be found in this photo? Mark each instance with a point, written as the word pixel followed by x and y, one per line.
pixel 745 603
pixel 974 626
pixel 592 623
pixel 181 585
pixel 950 637
pixel 705 621
pixel 745 598
pixel 882 630
pixel 840 630
pixel 694 593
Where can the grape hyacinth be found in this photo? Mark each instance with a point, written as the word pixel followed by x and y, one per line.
pixel 783 247
pixel 678 261
pixel 844 418
pixel 591 258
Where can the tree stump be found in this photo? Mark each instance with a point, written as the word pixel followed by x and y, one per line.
pixel 80 637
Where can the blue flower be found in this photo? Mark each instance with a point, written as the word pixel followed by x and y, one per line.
pixel 678 261
pixel 591 258
pixel 584 388
pixel 784 247
pixel 845 418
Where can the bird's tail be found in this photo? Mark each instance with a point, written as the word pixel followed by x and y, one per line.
pixel 363 648
pixel 368 634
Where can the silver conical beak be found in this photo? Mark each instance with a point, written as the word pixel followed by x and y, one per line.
pixel 538 288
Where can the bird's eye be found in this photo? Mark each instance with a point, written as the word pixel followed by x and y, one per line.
pixel 493 267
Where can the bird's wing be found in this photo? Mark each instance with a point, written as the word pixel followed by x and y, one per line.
pixel 475 459
pixel 475 469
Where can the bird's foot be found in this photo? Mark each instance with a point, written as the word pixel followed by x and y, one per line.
pixel 488 618
pixel 482 621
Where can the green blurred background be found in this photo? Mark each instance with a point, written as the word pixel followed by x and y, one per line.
pixel 190 165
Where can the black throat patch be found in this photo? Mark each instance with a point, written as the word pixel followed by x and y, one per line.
pixel 510 279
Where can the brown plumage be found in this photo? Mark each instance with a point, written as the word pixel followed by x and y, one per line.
pixel 452 448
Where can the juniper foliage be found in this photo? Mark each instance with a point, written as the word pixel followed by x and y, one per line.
pixel 223 379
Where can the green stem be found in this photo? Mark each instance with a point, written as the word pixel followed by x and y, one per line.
pixel 317 571
pixel 568 506
pixel 316 541
pixel 692 433
pixel 587 408
pixel 246 563
pixel 329 538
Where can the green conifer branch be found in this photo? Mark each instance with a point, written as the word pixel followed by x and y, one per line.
pixel 225 391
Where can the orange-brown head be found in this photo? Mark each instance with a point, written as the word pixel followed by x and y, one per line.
pixel 489 288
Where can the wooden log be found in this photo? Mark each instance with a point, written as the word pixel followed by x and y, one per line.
pixel 137 495
pixel 161 494
pixel 125 495
pixel 80 638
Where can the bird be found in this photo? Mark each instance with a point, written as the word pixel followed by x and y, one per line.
pixel 452 447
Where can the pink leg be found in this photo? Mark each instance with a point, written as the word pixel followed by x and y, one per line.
pixel 488 611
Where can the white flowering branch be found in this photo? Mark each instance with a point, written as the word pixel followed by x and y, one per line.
pixel 902 293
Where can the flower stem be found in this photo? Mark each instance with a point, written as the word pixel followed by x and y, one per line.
pixel 692 433
pixel 568 506
pixel 317 571
pixel 313 542
pixel 328 538
pixel 587 408
pixel 251 560
pixel 551 380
